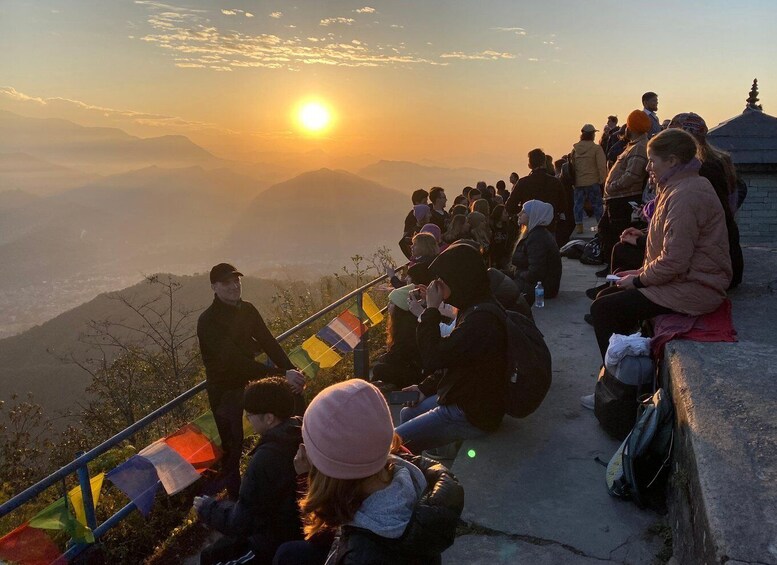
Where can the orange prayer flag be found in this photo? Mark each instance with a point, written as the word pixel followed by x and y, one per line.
pixel 194 446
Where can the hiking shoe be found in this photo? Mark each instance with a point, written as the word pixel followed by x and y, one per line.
pixel 604 272
pixel 587 401
pixel 589 319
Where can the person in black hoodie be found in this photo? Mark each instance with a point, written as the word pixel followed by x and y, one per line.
pixel 266 513
pixel 232 333
pixel 536 257
pixel 464 398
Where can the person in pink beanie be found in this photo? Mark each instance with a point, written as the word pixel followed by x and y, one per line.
pixel 384 508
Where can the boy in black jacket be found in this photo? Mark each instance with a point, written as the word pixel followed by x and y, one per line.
pixel 266 513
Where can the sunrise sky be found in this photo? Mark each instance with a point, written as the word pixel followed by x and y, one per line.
pixel 458 82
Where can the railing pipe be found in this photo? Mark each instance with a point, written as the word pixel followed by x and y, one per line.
pixel 86 495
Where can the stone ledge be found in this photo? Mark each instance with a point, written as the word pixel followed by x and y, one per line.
pixel 723 493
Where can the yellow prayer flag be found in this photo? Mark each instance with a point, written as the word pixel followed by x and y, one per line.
pixel 320 352
pixel 371 309
pixel 77 500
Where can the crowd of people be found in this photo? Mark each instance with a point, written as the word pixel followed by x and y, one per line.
pixel 339 482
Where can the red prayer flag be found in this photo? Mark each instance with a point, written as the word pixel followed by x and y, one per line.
pixel 353 323
pixel 195 447
pixel 30 546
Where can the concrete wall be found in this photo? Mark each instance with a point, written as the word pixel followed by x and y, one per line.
pixel 757 218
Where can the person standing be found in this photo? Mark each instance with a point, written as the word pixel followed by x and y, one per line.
pixel 590 166
pixel 440 217
pixel 650 103
pixel 231 333
pixel 539 185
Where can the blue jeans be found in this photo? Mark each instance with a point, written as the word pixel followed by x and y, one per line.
pixel 594 195
pixel 427 425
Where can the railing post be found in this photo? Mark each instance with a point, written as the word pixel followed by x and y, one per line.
pixel 361 353
pixel 86 494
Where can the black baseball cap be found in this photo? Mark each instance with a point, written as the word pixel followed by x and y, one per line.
pixel 223 271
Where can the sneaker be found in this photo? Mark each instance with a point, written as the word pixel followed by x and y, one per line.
pixel 592 293
pixel 579 228
pixel 604 272
pixel 587 401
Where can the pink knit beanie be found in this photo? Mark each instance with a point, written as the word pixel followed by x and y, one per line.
pixel 347 430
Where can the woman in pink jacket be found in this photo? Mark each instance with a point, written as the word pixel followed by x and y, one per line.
pixel 687 267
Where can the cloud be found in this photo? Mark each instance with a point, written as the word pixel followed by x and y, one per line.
pixel 365 10
pixel 249 15
pixel 330 21
pixel 229 12
pixel 195 42
pixel 276 15
pixel 397 26
pixel 486 55
pixel 515 30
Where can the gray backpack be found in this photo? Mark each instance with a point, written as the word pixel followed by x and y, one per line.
pixel 639 469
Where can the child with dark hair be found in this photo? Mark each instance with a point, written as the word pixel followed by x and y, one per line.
pixel 266 513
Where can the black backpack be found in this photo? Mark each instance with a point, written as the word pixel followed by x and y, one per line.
pixel 529 364
pixel 640 468
pixel 592 252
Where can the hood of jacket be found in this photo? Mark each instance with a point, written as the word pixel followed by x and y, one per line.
pixel 585 148
pixel 387 512
pixel 461 267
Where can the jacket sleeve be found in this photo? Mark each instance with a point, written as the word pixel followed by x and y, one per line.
pixel 260 491
pixel 601 164
pixel 269 344
pixel 470 339
pixel 681 232
pixel 225 356
pixel 633 173
pixel 536 252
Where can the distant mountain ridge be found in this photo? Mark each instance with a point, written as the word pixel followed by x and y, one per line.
pixel 407 176
pixel 20 171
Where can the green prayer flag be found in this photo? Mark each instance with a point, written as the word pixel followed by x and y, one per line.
pixel 302 359
pixel 207 425
pixel 57 516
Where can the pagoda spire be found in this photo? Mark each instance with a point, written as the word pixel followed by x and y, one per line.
pixel 752 100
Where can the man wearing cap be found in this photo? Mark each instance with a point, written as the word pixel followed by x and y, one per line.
pixel 624 184
pixel 232 333
pixel 590 166
pixel 650 103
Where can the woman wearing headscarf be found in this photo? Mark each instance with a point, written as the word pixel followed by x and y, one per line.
pixel 536 257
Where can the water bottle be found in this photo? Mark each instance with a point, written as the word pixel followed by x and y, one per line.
pixel 539 295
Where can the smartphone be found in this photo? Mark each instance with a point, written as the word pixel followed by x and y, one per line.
pixel 415 294
pixel 612 278
pixel 404 396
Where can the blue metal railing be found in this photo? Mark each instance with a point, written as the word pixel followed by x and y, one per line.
pixel 79 464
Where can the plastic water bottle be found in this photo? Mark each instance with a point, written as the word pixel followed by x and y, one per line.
pixel 539 295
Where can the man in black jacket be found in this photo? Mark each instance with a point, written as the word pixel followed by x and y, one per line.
pixel 539 185
pixel 232 333
pixel 266 513
pixel 466 400
pixel 411 223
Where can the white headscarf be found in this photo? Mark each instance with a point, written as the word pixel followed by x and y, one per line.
pixel 540 214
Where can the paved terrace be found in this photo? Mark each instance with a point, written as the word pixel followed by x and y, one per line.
pixel 535 495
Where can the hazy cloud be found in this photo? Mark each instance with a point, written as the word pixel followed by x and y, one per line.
pixel 229 12
pixel 249 15
pixel 365 10
pixel 330 21
pixel 486 55
pixel 515 30
pixel 276 15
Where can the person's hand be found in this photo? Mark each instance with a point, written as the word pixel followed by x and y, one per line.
pixel 627 273
pixel 301 461
pixel 630 236
pixel 416 306
pixel 436 293
pixel 296 379
pixel 199 501
pixel 421 395
pixel 447 310
pixel 626 282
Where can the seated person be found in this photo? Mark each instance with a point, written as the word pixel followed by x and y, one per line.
pixel 266 513
pixel 385 508
pixel 536 257
pixel 467 399
pixel 458 228
pixel 506 292
pixel 400 366
pixel 423 251
pixel 687 267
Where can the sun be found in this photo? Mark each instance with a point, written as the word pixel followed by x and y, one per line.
pixel 314 116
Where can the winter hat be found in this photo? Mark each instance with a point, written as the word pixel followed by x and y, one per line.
pixel 420 211
pixel 638 122
pixel 398 297
pixel 347 430
pixel 433 229
pixel 692 123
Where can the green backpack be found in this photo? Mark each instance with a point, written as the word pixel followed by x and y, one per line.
pixel 640 467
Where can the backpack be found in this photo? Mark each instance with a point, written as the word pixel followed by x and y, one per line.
pixel 616 396
pixel 529 364
pixel 571 173
pixel 573 249
pixel 592 252
pixel 639 469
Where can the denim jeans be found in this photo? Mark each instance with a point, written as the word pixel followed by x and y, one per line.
pixel 428 425
pixel 594 195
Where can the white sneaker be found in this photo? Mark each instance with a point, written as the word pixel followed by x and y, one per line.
pixel 587 401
